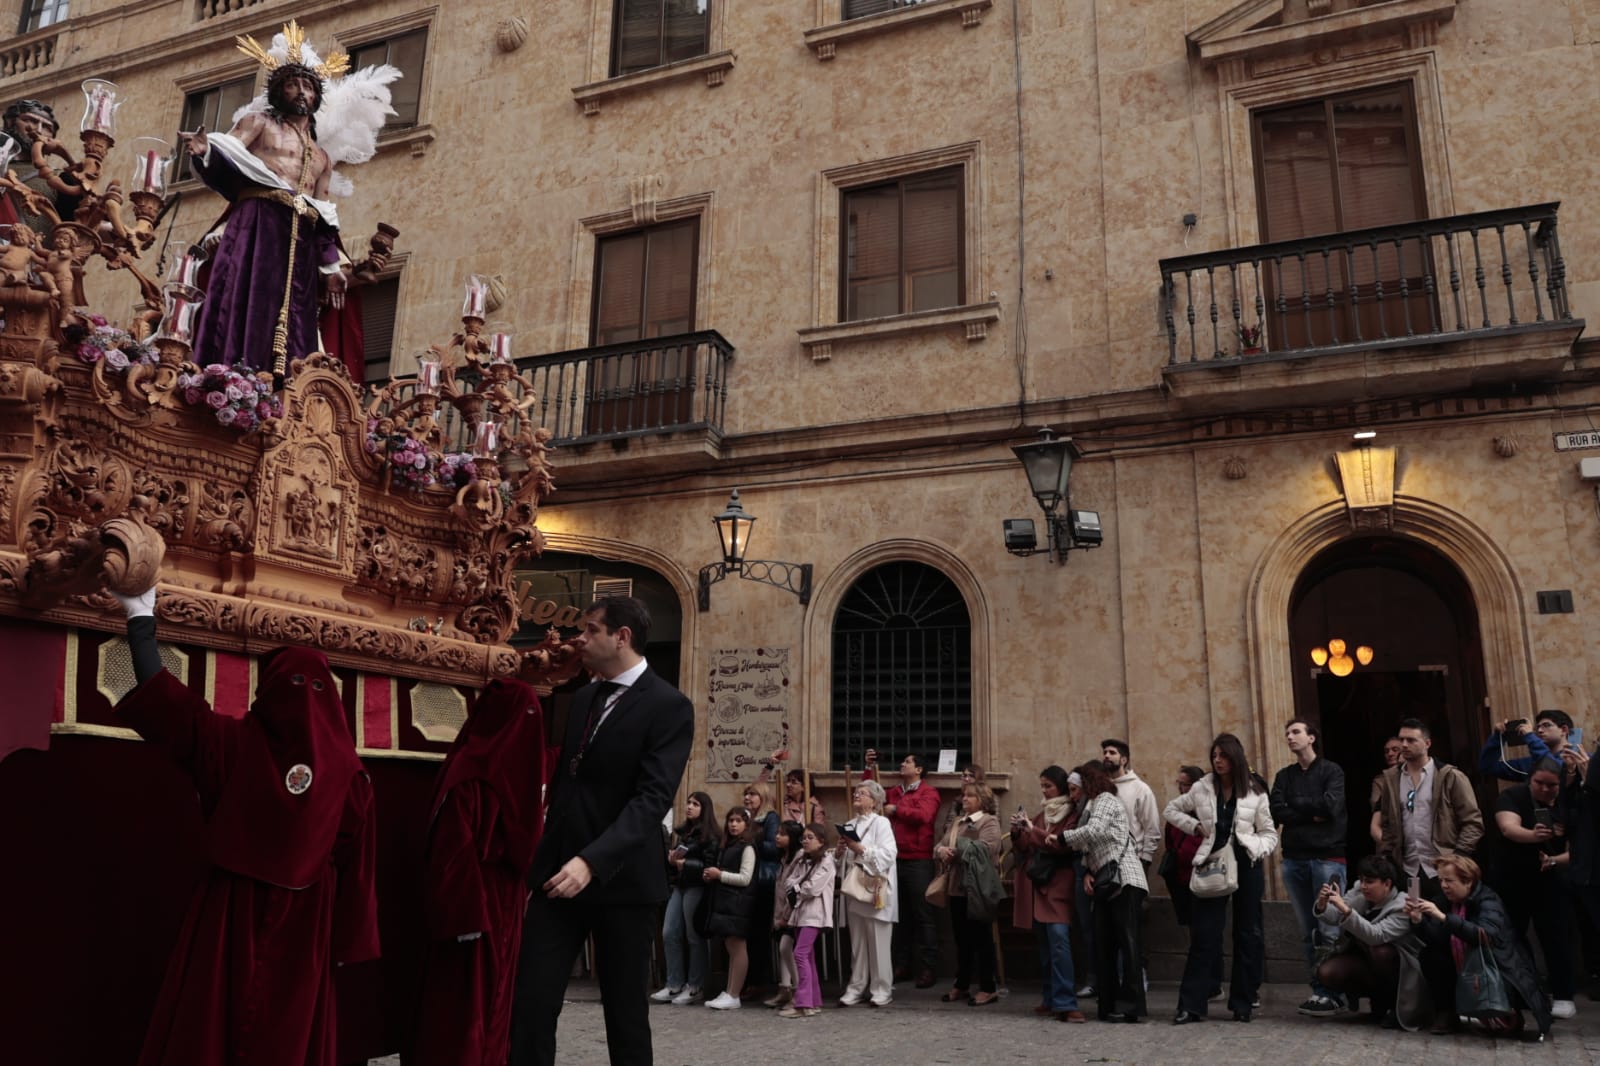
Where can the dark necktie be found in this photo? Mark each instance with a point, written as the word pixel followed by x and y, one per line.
pixel 597 708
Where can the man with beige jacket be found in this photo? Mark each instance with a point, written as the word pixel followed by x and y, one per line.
pixel 1426 809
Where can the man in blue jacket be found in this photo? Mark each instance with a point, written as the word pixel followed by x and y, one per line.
pixel 1547 739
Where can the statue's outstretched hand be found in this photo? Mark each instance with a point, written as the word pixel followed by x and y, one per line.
pixel 140 606
pixel 195 142
pixel 336 286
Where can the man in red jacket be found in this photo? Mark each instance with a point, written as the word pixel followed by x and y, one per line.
pixel 911 808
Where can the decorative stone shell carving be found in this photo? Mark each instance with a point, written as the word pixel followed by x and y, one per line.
pixel 511 33
pixel 1506 445
pixel 496 297
pixel 1233 468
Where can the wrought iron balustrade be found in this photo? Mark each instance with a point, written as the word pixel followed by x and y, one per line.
pixel 660 385
pixel 1385 286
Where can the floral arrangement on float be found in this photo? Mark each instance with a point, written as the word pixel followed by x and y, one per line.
pixel 114 346
pixel 238 401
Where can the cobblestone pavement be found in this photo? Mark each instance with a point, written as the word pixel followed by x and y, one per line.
pixel 920 1029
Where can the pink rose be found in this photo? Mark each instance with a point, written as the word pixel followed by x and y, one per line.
pixel 226 416
pixel 193 395
pixel 218 400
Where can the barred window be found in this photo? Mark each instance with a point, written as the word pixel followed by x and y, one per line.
pixel 902 667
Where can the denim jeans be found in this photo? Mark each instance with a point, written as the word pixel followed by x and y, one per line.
pixel 677 928
pixel 1055 963
pixel 1303 879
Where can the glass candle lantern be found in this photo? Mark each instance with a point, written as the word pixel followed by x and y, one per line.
pixel 185 269
pixel 9 150
pixel 476 305
pixel 100 107
pixel 486 441
pixel 500 348
pixel 151 158
pixel 428 377
pixel 180 308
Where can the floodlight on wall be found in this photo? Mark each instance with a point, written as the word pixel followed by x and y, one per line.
pixel 1048 464
pixel 734 524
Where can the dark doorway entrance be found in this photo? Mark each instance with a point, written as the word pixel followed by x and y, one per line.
pixel 1414 609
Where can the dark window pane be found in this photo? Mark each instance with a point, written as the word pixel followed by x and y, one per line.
pixel 653 33
pixel 645 282
pixel 406 53
pixel 902 246
pixel 37 14
pixel 212 108
pixel 854 9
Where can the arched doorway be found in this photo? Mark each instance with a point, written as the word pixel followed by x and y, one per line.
pixel 1414 608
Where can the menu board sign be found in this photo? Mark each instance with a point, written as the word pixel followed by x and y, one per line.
pixel 749 713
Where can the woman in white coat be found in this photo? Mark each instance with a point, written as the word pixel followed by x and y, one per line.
pixel 871 927
pixel 1227 808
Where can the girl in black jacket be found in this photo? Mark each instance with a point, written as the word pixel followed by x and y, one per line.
pixel 734 878
pixel 1475 910
pixel 697 845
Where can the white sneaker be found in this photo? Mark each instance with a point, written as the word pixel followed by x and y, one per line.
pixel 665 995
pixel 1563 1008
pixel 690 994
pixel 724 1002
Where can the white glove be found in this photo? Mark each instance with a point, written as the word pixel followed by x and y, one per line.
pixel 465 937
pixel 140 606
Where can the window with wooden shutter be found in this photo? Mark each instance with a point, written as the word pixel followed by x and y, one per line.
pixel 902 246
pixel 379 303
pixel 1334 165
pixel 644 289
pixel 653 33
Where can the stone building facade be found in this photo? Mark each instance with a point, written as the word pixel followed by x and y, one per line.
pixel 922 231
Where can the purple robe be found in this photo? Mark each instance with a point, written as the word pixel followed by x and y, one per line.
pixel 247 271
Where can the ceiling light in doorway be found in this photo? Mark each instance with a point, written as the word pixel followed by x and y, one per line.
pixel 1334 656
pixel 1365 435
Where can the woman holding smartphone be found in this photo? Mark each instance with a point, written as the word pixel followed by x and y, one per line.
pixel 697 843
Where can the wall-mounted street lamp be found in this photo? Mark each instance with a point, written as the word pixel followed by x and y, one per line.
pixel 1048 463
pixel 733 529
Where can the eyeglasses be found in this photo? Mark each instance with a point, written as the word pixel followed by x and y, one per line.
pixel 1411 801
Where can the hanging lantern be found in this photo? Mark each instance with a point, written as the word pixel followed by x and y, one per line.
pixel 1364 655
pixel 1319 655
pixel 1335 647
pixel 1341 665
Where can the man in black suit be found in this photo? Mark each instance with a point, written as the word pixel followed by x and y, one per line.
pixel 601 866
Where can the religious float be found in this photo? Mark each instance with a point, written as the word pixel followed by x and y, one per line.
pixel 381 527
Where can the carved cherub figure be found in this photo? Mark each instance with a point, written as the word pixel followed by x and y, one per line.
pixel 22 260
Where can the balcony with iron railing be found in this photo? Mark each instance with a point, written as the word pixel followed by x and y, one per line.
pixel 1437 305
pixel 663 399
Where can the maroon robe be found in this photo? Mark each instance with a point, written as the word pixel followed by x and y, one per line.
pixel 486 825
pixel 290 891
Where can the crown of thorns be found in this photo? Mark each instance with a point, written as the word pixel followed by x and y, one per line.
pixel 296 54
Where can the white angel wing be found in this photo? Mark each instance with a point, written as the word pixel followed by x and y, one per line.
pixel 353 113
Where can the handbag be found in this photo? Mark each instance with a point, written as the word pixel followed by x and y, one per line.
pixel 1218 876
pixel 864 888
pixel 1044 865
pixel 1108 878
pixel 1480 989
pixel 938 891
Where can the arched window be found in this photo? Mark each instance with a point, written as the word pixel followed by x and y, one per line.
pixel 902 667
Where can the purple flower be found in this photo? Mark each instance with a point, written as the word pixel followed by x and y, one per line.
pixel 420 462
pixel 244 420
pixel 89 354
pixel 117 359
pixel 234 393
pixel 216 370
pixel 263 409
pixel 218 400
pixel 193 395
pixel 226 415
pixel 372 446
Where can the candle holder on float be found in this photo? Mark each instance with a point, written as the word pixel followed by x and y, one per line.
pixel 151 157
pixel 499 454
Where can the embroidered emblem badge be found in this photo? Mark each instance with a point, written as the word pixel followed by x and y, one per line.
pixel 298 779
